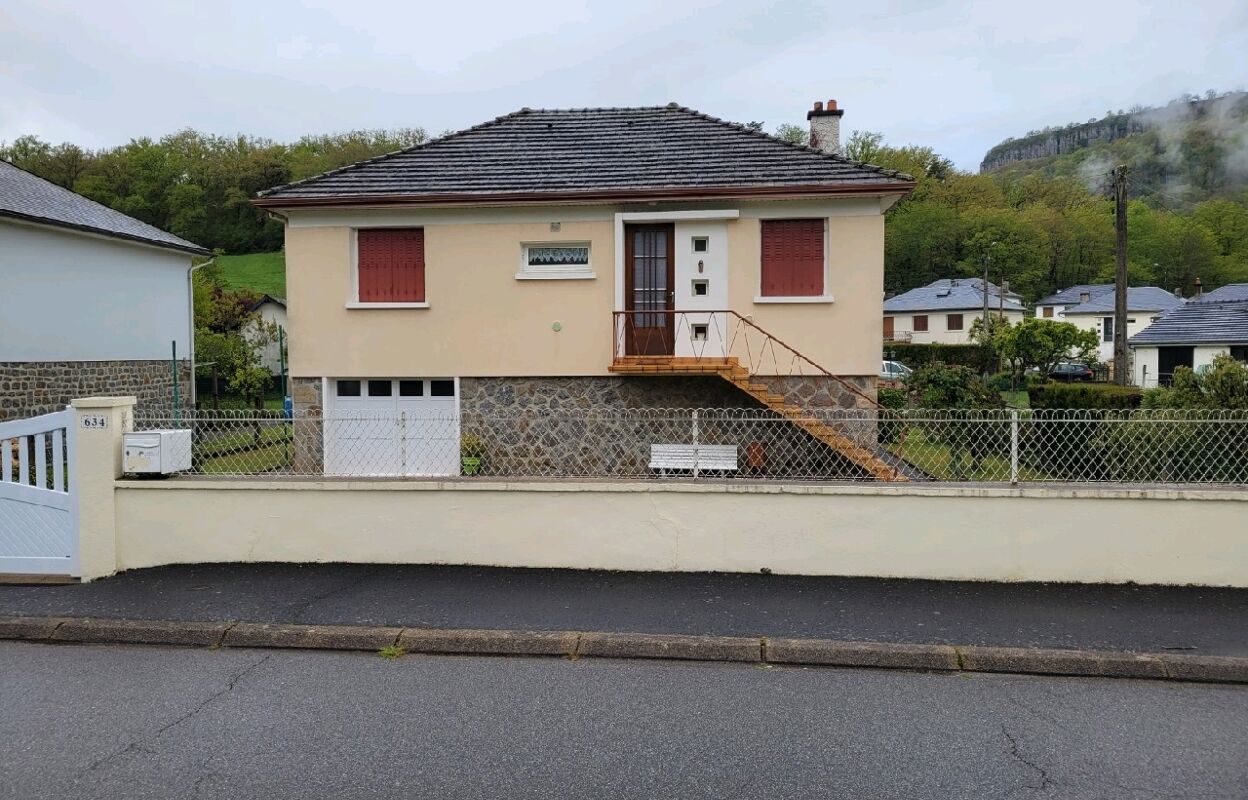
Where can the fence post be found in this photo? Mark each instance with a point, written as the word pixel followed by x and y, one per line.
pixel 1013 446
pixel 96 463
pixel 695 443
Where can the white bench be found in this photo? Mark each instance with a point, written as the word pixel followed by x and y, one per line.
pixel 694 457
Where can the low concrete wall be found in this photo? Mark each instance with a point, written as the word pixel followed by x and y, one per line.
pixel 1000 534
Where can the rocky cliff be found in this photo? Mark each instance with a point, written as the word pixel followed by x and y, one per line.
pixel 1076 136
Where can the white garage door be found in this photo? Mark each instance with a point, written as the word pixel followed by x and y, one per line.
pixel 392 426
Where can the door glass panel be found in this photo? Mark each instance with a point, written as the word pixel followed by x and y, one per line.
pixel 348 388
pixel 441 388
pixel 411 388
pixel 379 389
pixel 650 278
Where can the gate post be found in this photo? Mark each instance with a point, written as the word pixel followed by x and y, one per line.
pixel 95 464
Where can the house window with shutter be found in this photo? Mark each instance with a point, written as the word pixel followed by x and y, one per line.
pixel 920 323
pixel 792 258
pixel 390 266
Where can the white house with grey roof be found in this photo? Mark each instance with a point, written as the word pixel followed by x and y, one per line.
pixel 1145 305
pixel 942 311
pixel 93 301
pixel 1191 336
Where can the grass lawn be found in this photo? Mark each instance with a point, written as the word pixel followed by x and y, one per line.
pixel 935 458
pixel 264 273
pixel 1019 399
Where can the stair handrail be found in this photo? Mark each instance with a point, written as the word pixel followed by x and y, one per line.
pixel 619 336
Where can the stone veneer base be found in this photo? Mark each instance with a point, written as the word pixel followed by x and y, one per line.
pixel 30 388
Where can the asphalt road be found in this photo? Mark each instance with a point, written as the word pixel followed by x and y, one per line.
pixel 1142 618
pixel 135 722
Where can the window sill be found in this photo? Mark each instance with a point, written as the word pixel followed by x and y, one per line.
pixel 355 304
pixel 555 276
pixel 818 298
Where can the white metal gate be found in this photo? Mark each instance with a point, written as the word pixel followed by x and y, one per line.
pixel 38 517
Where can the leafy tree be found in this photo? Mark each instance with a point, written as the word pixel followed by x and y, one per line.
pixel 793 134
pixel 1043 344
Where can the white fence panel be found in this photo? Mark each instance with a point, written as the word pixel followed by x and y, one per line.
pixel 38 525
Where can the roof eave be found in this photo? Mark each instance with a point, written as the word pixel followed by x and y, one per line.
pixel 55 223
pixel 793 192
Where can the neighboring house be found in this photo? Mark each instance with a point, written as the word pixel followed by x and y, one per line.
pixel 1145 305
pixel 91 300
pixel 942 312
pixel 271 311
pixel 589 258
pixel 1052 306
pixel 1232 291
pixel 1191 335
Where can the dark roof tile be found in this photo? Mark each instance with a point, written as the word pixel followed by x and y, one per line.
pixel 590 149
pixel 29 197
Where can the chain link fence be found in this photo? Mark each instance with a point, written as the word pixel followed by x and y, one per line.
pixel 995 447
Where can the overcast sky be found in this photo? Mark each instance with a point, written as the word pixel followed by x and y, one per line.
pixel 958 76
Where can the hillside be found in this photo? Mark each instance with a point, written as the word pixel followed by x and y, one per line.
pixel 262 273
pixel 1182 153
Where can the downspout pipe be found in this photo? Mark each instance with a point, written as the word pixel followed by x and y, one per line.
pixel 190 305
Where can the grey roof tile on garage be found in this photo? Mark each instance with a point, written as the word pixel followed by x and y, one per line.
pixel 623 150
pixel 1215 322
pixel 1139 298
pixel 28 197
pixel 959 294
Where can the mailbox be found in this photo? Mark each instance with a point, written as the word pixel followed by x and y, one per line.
pixel 156 452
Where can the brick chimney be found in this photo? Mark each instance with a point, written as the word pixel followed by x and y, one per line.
pixel 825 127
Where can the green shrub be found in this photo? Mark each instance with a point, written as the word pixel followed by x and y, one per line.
pixel 1005 382
pixel 979 357
pixel 1053 395
pixel 890 400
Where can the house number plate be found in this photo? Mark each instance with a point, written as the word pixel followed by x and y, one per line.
pixel 94 421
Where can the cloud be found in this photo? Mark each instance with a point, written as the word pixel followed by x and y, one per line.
pixel 957 76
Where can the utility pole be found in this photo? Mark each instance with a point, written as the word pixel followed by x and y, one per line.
pixel 1120 275
pixel 987 263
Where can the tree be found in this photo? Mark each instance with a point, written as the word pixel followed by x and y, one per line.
pixel 793 134
pixel 1043 344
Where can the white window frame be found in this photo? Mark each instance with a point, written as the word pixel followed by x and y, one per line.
pixel 825 297
pixel 572 272
pixel 353 299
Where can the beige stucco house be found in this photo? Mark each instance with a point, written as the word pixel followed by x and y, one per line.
pixel 609 257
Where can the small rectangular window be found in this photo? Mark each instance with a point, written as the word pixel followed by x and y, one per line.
pixel 348 388
pixel 1107 331
pixel 441 388
pixel 380 388
pixel 953 322
pixel 699 332
pixel 700 288
pixel 1048 312
pixel 555 260
pixel 920 323
pixel 411 388
pixel 700 244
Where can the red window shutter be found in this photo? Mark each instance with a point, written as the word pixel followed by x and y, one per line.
pixel 792 258
pixel 390 263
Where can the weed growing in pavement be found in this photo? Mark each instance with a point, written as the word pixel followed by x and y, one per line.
pixel 391 652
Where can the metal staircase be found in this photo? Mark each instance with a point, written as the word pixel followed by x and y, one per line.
pixel 718 345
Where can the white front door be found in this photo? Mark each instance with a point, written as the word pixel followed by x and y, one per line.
pixel 392 427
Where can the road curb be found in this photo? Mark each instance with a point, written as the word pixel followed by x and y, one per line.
pixel 572 644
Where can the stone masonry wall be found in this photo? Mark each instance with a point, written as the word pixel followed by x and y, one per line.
pixel 30 388
pixel 540 427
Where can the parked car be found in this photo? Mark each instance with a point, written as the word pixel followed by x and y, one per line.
pixel 1069 372
pixel 894 371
